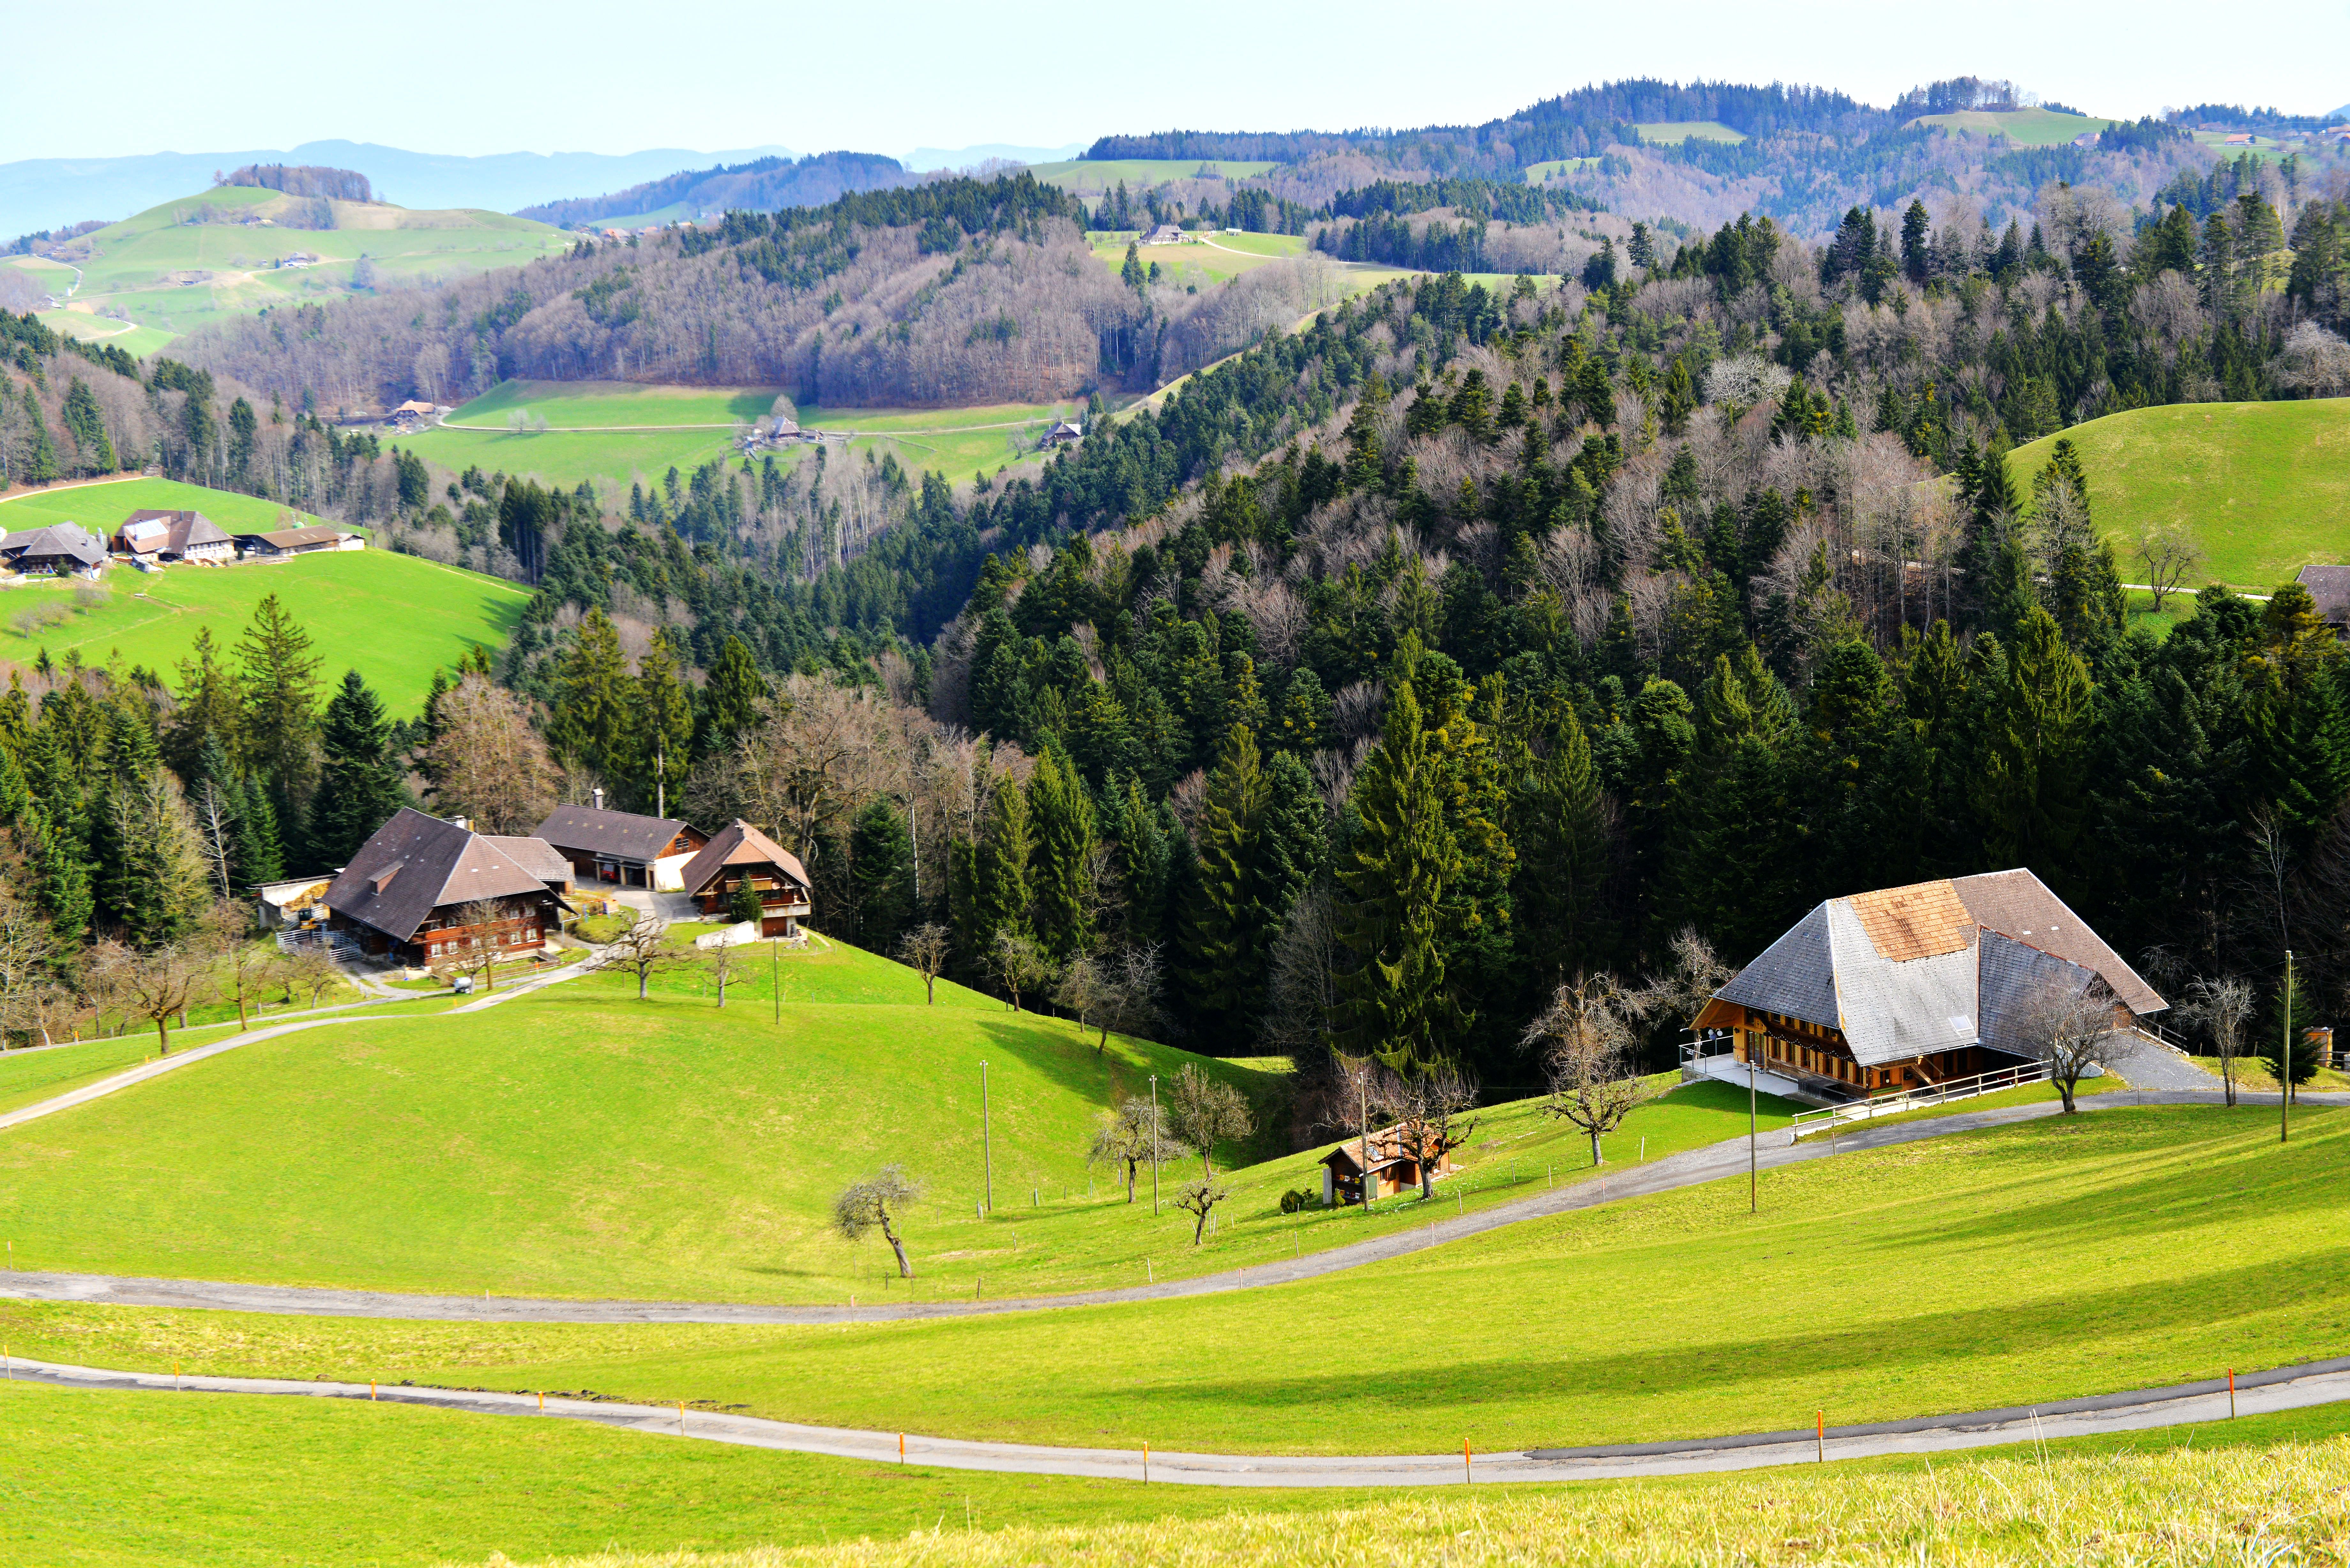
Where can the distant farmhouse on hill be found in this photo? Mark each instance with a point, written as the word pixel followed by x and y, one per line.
pixel 60 549
pixel 299 541
pixel 173 537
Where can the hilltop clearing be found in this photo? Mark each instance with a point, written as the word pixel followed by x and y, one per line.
pixel 235 251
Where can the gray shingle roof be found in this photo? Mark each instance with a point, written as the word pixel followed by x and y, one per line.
pixel 621 832
pixel 536 856
pixel 1829 968
pixel 2014 977
pixel 56 539
pixel 413 865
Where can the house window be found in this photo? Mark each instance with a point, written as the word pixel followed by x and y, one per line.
pixel 436 949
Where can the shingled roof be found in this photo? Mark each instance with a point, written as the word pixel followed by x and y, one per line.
pixel 415 864
pixel 739 843
pixel 621 832
pixel 1899 973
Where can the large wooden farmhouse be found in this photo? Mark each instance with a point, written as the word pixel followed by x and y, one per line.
pixel 739 854
pixel 423 891
pixel 621 846
pixel 1913 986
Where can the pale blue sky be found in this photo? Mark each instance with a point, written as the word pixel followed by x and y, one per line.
pixel 476 77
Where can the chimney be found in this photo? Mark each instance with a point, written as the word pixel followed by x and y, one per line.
pixel 599 797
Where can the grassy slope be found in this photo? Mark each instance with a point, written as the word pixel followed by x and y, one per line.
pixel 132 259
pixel 2263 487
pixel 391 617
pixel 500 1132
pixel 2024 126
pixel 2034 1262
pixel 132 1479
pixel 2031 1263
pixel 1659 132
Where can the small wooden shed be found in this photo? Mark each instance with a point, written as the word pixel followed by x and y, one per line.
pixel 1395 1168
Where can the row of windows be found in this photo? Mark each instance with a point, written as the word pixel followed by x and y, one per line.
pixel 527 936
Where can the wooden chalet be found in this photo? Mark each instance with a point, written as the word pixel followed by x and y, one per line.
pixel 412 891
pixel 740 853
pixel 173 537
pixel 64 549
pixel 1395 1168
pixel 621 846
pixel 1907 987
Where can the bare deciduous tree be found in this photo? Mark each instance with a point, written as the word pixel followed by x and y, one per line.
pixel 1427 1107
pixel 1198 1198
pixel 2073 1029
pixel 490 763
pixel 1129 1137
pixel 153 984
pixel 238 965
pixel 29 991
pixel 1019 964
pixel 310 970
pixel 215 833
pixel 2222 1004
pixel 924 950
pixel 865 1206
pixel 480 953
pixel 1590 1052
pixel 641 947
pixel 1206 1111
pixel 724 960
pixel 2167 553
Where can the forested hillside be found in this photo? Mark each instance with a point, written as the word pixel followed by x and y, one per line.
pixel 764 184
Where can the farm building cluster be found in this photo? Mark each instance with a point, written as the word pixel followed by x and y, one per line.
pixel 148 539
pixel 427 892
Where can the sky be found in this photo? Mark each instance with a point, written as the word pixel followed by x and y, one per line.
pixel 594 75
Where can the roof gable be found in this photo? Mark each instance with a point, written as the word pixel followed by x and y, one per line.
pixel 1795 975
pixel 2021 906
pixel 739 843
pixel 413 865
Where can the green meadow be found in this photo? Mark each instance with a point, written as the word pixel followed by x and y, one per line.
pixel 1537 173
pixel 2265 488
pixel 149 264
pixel 140 1478
pixel 394 618
pixel 2052 1259
pixel 2024 126
pixel 132 339
pixel 1671 132
pixel 471 1152
pixel 1087 177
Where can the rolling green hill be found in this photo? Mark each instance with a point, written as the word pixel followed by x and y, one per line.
pixel 2263 487
pixel 1671 132
pixel 394 618
pixel 170 272
pixel 2024 126
pixel 1091 177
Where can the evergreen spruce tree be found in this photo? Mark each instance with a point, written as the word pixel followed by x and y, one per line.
pixel 1062 825
pixel 881 866
pixel 58 877
pixel 591 724
pixel 358 781
pixel 999 878
pixel 280 725
pixel 660 743
pixel 1559 827
pixel 210 710
pixel 1396 1002
pixel 1139 833
pixel 731 698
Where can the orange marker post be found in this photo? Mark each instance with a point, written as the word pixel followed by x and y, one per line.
pixel 371 1390
pixel 1465 1476
pixel 1146 1463
pixel 2232 1393
pixel 902 1448
pixel 1821 1418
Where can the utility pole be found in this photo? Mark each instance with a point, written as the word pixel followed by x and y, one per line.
pixel 2284 1060
pixel 1154 1143
pixel 1753 1177
pixel 660 776
pixel 1363 1126
pixel 986 1143
pixel 776 974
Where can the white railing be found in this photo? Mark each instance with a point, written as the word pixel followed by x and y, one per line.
pixel 1894 1102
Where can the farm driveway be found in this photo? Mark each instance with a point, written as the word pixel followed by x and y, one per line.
pixel 2284 1388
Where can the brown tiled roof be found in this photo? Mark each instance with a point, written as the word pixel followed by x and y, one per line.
pixel 288 538
pixel 180 529
pixel 1917 921
pixel 413 865
pixel 621 832
pixel 2019 905
pixel 740 844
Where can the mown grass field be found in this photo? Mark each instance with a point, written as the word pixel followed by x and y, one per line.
pixel 1537 173
pixel 132 339
pixel 1665 132
pixel 2263 487
pixel 475 1152
pixel 588 435
pixel 1087 177
pixel 391 617
pixel 239 1481
pixel 2044 1261
pixel 133 264
pixel 2024 126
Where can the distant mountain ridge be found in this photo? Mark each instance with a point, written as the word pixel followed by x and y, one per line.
pixel 51 192
pixel 765 184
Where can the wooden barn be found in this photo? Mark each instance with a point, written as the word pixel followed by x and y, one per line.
pixel 740 853
pixel 1395 1168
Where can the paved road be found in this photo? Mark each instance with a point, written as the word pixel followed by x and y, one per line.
pixel 316 1019
pixel 2285 1388
pixel 2150 1065
pixel 1711 1163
